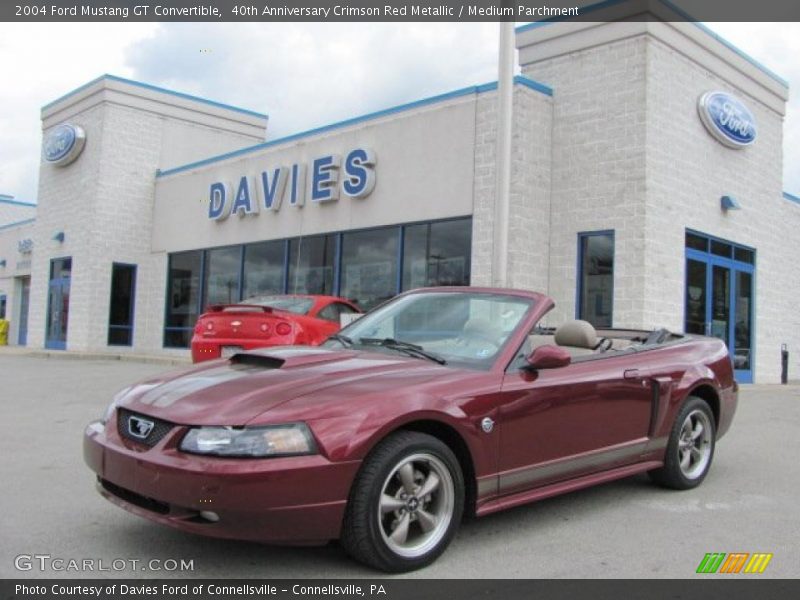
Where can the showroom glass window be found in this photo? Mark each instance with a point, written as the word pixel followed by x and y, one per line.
pixel 2 306
pixel 369 266
pixel 596 278
pixel 183 297
pixel 311 264
pixel 120 312
pixel 222 271
pixel 437 254
pixel 263 269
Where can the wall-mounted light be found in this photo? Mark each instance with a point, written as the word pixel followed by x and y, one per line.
pixel 2 262
pixel 59 237
pixel 729 203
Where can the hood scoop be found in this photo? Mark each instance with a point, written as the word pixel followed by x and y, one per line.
pixel 257 360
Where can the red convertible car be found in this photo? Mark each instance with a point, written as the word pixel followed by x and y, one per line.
pixel 441 403
pixel 225 329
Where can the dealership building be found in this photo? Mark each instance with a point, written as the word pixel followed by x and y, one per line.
pixel 646 191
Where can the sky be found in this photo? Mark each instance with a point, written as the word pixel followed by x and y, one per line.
pixel 302 75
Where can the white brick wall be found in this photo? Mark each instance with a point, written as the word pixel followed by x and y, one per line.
pixel 13 212
pixel 687 173
pixel 17 266
pixel 598 172
pixel 103 202
pixel 631 154
pixel 530 189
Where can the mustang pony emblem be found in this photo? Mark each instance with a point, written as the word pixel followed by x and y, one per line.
pixel 139 427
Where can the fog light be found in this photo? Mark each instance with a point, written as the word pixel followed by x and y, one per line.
pixel 209 516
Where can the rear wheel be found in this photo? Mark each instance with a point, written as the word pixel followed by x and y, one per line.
pixel 406 503
pixel 690 448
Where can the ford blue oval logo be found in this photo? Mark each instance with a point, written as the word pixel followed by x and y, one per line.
pixel 63 144
pixel 727 119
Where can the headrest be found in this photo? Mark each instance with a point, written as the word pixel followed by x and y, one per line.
pixel 578 334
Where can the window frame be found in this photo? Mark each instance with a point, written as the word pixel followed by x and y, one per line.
pixel 579 308
pixel 131 310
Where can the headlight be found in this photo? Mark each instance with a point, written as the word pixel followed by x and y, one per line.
pixel 274 440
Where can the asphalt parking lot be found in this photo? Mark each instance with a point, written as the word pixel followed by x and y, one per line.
pixel 750 501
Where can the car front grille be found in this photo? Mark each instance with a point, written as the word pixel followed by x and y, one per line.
pixel 141 429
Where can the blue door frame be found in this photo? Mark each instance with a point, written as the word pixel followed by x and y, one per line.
pixel 24 303
pixel 57 314
pixel 733 267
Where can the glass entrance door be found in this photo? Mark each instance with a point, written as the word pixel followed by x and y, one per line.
pixel 24 303
pixel 719 297
pixel 58 304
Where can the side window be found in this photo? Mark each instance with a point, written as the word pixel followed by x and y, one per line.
pixel 330 313
pixel 346 310
pixel 596 278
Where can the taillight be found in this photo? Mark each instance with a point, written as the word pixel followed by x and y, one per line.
pixel 283 328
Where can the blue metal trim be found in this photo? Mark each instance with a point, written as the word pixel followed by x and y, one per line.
pixel 166 303
pixel 337 265
pixel 17 223
pixel 154 88
pixel 49 343
pixel 17 203
pixel 717 239
pixel 791 197
pixel 600 5
pixel 533 84
pixel 475 89
pixel 734 266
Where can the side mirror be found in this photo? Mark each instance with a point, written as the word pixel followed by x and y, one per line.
pixel 548 357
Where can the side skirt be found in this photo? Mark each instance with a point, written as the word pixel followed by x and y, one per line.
pixel 564 487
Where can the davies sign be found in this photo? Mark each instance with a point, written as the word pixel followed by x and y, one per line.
pixel 327 176
pixel 727 119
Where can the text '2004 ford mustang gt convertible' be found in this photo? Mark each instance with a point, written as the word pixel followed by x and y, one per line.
pixel 441 403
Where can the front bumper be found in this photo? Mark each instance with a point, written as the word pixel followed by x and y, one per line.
pixel 293 500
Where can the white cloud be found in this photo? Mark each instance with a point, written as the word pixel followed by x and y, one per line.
pixel 302 75
pixel 776 46
pixel 38 63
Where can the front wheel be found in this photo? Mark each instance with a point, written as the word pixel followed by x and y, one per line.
pixel 406 503
pixel 690 448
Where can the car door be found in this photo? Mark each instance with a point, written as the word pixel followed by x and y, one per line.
pixel 560 423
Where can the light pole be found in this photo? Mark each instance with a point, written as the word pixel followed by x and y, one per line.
pixel 502 199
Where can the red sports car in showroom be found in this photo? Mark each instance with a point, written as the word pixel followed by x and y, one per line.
pixel 441 403
pixel 225 329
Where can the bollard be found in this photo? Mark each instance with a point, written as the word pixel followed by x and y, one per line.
pixel 784 364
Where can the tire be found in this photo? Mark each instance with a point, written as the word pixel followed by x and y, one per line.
pixel 388 524
pixel 690 448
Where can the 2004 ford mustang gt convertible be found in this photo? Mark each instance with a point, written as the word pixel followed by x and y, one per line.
pixel 441 403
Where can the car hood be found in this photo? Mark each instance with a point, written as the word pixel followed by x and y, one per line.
pixel 234 392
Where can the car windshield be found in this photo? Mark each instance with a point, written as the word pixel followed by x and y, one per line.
pixel 294 304
pixel 462 329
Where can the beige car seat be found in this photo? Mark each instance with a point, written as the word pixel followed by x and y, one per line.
pixel 577 337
